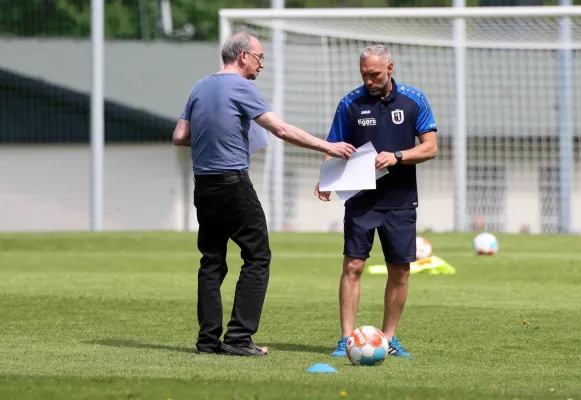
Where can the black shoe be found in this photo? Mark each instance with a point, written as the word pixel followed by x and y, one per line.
pixel 210 350
pixel 246 350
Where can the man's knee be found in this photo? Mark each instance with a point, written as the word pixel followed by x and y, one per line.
pixel 353 267
pixel 398 272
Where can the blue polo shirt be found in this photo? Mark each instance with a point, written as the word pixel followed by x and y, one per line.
pixel 221 109
pixel 391 124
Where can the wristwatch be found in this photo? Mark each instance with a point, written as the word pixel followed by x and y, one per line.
pixel 399 156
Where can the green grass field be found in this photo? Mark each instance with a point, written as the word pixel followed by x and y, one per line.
pixel 113 316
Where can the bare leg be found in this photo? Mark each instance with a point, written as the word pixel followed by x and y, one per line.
pixel 349 291
pixel 396 291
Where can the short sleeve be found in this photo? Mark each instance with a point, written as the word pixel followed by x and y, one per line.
pixel 425 121
pixel 187 112
pixel 250 101
pixel 341 130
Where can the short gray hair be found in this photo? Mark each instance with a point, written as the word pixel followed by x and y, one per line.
pixel 376 50
pixel 232 47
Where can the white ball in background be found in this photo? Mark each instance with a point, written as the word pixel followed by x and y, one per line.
pixel 423 248
pixel 485 244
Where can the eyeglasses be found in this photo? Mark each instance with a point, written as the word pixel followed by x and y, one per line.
pixel 260 57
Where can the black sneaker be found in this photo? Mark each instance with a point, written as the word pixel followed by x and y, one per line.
pixel 210 350
pixel 249 350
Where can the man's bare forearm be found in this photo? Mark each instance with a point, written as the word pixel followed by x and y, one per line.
pixel 181 135
pixel 419 154
pixel 185 143
pixel 298 137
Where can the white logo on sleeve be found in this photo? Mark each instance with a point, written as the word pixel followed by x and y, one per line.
pixel 366 122
pixel 397 116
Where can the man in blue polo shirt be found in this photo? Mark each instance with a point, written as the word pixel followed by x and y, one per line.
pixel 390 115
pixel 216 123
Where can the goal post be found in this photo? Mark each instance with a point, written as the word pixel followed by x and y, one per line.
pixel 503 85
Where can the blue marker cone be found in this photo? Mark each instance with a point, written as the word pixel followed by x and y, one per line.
pixel 321 368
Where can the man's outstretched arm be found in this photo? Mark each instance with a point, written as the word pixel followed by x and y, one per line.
pixel 297 136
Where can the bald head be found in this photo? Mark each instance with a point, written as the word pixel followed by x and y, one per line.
pixel 237 43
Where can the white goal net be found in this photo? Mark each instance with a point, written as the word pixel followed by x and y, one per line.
pixel 504 85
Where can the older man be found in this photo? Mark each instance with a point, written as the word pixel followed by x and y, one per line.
pixel 215 123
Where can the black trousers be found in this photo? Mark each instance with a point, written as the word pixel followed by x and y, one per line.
pixel 228 208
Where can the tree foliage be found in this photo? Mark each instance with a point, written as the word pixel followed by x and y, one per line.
pixel 136 19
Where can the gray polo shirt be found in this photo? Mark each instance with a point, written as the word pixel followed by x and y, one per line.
pixel 220 109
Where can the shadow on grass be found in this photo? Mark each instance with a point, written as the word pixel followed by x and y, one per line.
pixel 138 345
pixel 303 348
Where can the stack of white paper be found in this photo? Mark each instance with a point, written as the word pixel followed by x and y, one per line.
pixel 349 177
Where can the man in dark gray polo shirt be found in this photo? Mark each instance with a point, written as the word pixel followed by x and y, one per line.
pixel 216 122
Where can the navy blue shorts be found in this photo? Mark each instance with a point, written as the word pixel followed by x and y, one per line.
pixel 396 230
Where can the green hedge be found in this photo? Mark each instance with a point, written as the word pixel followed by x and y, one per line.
pixel 135 19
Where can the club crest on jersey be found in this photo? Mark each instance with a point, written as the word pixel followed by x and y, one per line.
pixel 397 116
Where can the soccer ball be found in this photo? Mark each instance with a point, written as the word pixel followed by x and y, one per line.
pixel 367 345
pixel 423 248
pixel 485 244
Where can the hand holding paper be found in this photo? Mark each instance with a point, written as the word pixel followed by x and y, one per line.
pixel 349 177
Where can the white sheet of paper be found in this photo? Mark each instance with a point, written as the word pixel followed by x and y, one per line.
pixel 345 195
pixel 257 137
pixel 357 173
